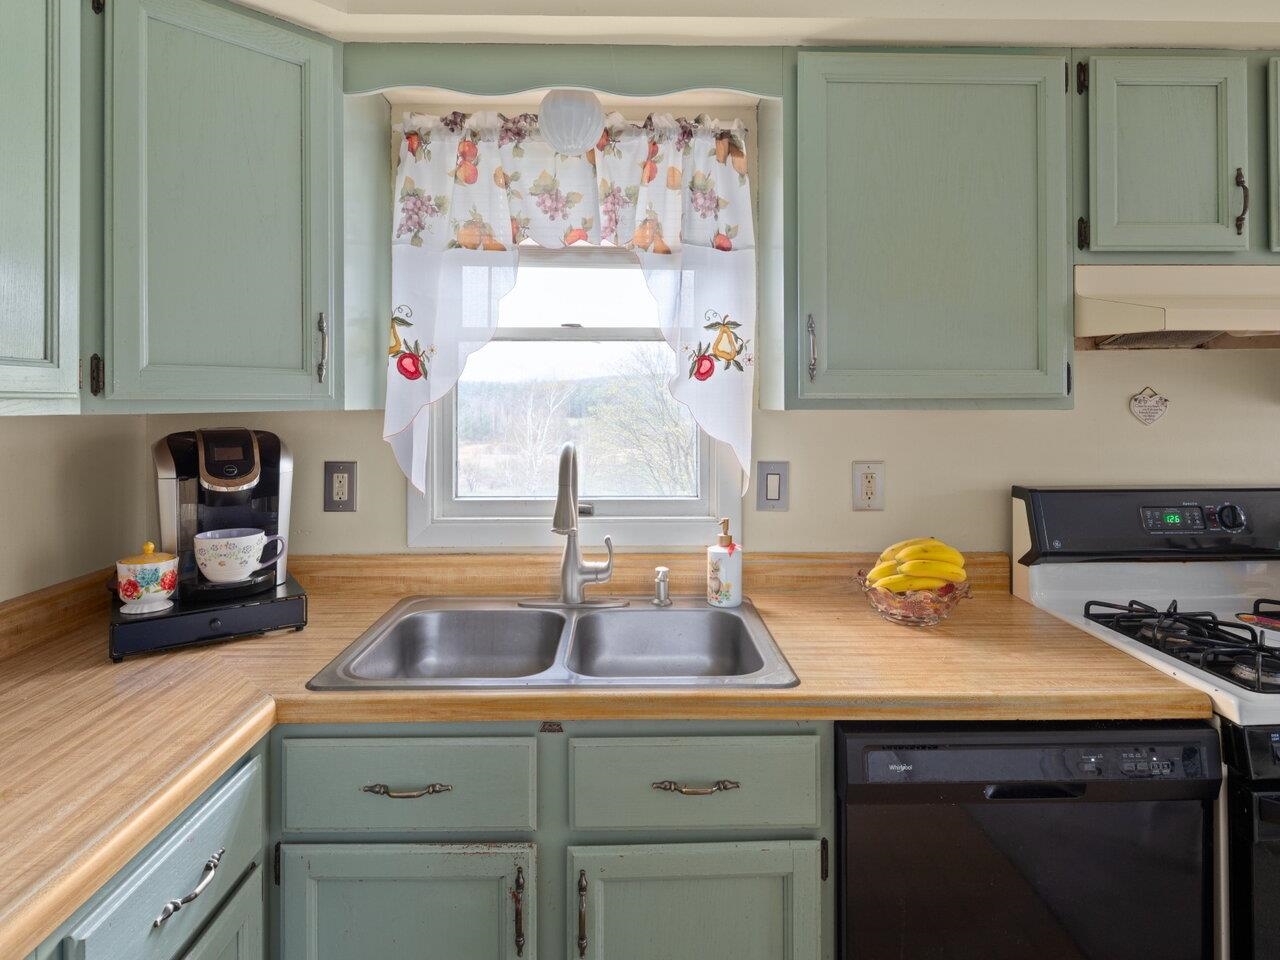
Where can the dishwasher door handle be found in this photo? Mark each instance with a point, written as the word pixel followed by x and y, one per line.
pixel 1034 791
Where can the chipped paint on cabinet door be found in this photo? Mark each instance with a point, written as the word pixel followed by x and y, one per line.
pixel 454 901
pixel 714 901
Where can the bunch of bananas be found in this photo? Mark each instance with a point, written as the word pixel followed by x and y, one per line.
pixel 924 563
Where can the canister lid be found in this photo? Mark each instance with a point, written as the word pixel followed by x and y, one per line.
pixel 148 555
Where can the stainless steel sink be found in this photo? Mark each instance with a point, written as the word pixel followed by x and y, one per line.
pixel 493 642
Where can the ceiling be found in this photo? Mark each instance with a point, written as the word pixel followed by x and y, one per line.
pixel 1186 23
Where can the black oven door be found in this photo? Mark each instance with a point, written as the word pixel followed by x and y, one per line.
pixel 1050 875
pixel 1254 871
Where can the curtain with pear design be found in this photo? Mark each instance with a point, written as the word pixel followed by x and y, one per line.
pixel 472 190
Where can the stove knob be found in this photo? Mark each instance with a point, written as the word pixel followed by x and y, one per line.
pixel 1231 517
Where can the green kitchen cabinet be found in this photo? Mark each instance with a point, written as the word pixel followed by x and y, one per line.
pixel 237 932
pixel 455 901
pixel 715 901
pixel 1168 153
pixel 933 248
pixel 1273 143
pixel 39 206
pixel 223 200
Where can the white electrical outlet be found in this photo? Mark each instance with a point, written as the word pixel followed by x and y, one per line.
pixel 868 485
pixel 339 487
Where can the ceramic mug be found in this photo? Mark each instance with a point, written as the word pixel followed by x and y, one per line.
pixel 229 556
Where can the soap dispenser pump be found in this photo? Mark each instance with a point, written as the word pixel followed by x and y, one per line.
pixel 724 570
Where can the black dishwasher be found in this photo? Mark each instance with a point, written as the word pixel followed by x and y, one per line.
pixel 1026 842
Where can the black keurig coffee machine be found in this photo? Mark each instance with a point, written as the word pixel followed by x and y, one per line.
pixel 217 480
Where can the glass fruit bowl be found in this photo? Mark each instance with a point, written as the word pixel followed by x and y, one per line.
pixel 917 608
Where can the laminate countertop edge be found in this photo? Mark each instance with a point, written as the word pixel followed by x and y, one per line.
pixel 27 922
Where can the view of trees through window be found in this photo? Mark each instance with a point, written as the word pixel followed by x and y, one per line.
pixel 518 401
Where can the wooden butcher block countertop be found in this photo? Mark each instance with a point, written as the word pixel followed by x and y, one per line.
pixel 95 757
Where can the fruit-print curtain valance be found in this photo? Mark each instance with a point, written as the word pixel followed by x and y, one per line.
pixel 470 191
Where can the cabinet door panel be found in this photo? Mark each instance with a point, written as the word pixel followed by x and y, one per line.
pixel 714 901
pixel 932 240
pixel 222 175
pixel 355 901
pixel 39 222
pixel 236 933
pixel 1167 135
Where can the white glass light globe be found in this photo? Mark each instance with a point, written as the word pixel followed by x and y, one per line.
pixel 571 121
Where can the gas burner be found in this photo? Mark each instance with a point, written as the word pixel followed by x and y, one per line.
pixel 1246 669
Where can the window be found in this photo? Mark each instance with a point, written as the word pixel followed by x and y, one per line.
pixel 577 355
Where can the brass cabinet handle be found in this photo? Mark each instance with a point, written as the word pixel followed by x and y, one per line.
pixel 670 786
pixel 382 790
pixel 519 897
pixel 210 871
pixel 582 913
pixel 812 329
pixel 1244 211
pixel 323 366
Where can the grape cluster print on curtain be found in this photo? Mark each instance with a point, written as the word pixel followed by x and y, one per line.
pixel 471 190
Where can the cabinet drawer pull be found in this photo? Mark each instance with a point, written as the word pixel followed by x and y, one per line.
pixel 1244 211
pixel 670 786
pixel 582 913
pixel 322 367
pixel 812 328
pixel 210 871
pixel 382 790
pixel 518 898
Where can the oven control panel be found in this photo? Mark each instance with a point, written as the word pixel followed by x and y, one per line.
pixel 1193 518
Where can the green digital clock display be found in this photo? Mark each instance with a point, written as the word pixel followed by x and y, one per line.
pixel 1173 518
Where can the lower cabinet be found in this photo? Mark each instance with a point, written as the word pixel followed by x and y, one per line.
pixel 237 932
pixel 455 901
pixel 715 901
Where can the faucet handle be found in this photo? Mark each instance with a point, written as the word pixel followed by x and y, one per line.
pixel 600 570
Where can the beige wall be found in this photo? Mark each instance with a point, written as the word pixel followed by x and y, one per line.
pixel 73 495
pixel 77 492
pixel 947 472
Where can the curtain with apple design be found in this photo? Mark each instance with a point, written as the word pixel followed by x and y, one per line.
pixel 471 190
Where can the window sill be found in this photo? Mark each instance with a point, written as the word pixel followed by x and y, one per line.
pixel 517 533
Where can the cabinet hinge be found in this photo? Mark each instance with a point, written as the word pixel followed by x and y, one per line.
pixel 1069 381
pixel 823 858
pixel 97 6
pixel 96 385
pixel 275 865
pixel 1082 234
pixel 1082 77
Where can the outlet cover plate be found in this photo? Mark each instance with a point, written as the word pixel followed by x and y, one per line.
pixel 773 485
pixel 874 469
pixel 333 471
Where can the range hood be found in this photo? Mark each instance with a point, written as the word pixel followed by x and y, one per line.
pixel 1183 305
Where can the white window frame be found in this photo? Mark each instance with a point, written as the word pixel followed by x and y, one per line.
pixel 438 519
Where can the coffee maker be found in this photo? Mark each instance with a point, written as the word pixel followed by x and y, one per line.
pixel 216 479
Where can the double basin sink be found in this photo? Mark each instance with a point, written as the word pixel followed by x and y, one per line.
pixel 486 642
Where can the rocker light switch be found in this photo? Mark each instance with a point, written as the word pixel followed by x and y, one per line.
pixel 773 485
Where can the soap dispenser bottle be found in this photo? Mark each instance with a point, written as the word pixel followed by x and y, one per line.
pixel 724 570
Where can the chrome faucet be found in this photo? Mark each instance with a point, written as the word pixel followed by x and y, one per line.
pixel 575 573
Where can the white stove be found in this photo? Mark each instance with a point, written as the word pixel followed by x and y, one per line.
pixel 1163 580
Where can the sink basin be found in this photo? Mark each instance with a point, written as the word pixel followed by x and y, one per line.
pixel 663 643
pixel 493 642
pixel 463 643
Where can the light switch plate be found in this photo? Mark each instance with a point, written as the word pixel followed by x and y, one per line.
pixel 773 485
pixel 339 486
pixel 868 485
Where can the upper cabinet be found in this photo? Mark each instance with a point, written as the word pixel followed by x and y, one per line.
pixel 222 186
pixel 1273 143
pixel 1168 153
pixel 39 206
pixel 933 247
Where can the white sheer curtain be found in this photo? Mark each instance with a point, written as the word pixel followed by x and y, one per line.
pixel 470 190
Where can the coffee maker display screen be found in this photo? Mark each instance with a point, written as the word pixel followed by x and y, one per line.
pixel 223 454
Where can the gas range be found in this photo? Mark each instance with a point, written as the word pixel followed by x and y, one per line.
pixel 1187 580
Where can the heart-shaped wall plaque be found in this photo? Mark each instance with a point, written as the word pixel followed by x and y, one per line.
pixel 1148 406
